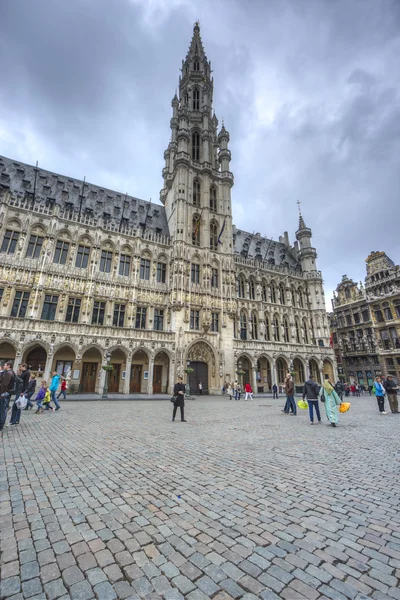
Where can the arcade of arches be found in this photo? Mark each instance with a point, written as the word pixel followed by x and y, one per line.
pixel 141 372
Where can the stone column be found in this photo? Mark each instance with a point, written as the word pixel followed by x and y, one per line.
pixel 254 383
pixel 47 368
pixel 274 374
pixel 151 371
pixel 127 375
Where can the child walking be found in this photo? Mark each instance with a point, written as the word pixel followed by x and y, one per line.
pixel 63 391
pixel 43 397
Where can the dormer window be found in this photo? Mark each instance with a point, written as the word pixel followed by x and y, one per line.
pixel 196 65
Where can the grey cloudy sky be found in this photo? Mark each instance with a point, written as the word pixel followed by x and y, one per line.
pixel 309 90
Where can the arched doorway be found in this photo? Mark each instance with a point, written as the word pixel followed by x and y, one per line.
pixel 201 360
pixel 264 376
pixel 328 369
pixel 63 361
pixel 36 359
pixel 139 372
pixel 282 369
pixel 117 360
pixel 299 374
pixel 160 373
pixel 91 366
pixel 314 370
pixel 7 351
pixel 243 371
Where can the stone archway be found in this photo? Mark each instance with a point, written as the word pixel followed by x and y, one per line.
pixel 328 369
pixel 299 372
pixel 314 370
pixel 91 369
pixel 264 374
pixel 7 351
pixel 35 357
pixel 161 373
pixel 202 361
pixel 139 372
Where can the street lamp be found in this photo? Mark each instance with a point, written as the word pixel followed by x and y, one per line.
pixel 107 368
pixel 188 370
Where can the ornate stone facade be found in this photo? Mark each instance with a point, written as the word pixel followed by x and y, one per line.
pixel 89 276
pixel 366 323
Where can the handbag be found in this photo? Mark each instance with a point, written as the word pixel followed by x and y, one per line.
pixel 322 396
pixel 172 399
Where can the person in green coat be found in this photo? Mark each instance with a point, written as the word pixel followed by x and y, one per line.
pixel 332 401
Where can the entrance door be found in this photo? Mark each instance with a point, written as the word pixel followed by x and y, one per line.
pixel 113 379
pixel 157 379
pixel 135 385
pixel 89 377
pixel 199 375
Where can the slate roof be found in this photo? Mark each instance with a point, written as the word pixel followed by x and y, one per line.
pixel 250 245
pixel 51 188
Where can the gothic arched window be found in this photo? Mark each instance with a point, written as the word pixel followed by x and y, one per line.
pixel 213 198
pixel 254 326
pixel 196 65
pixel 196 192
pixel 275 328
pixel 301 301
pixel 213 236
pixel 196 99
pixel 286 335
pixel 267 328
pixel 281 368
pixel 243 326
pixel 282 294
pixel 272 293
pixel 196 145
pixel 252 289
pixel 297 331
pixel 196 230
pixel 264 291
pixel 241 287
pixel 305 331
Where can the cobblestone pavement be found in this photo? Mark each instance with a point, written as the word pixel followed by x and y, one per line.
pixel 113 500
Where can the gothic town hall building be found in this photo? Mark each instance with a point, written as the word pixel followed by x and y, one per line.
pixel 89 276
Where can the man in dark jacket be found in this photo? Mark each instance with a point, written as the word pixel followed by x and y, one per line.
pixel 391 390
pixel 179 393
pixel 6 384
pixel 20 389
pixel 290 401
pixel 311 392
pixel 275 391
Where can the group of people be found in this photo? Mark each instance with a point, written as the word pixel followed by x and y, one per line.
pixel 18 388
pixel 234 390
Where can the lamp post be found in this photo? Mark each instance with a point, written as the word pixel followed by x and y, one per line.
pixel 107 369
pixel 240 373
pixel 187 384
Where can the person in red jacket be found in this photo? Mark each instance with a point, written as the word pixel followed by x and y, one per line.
pixel 249 391
pixel 63 391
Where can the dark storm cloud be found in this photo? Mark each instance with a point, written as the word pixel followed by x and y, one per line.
pixel 309 90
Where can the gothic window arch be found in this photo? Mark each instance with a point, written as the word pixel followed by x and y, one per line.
pixel 213 198
pixel 252 289
pixel 264 291
pixel 293 297
pixel 301 299
pixel 267 334
pixel 282 294
pixel 281 369
pixel 272 293
pixel 254 325
pixel 213 235
pixel 196 145
pixel 196 65
pixel 297 327
pixel 243 325
pixel 196 230
pixel 241 287
pixel 305 330
pixel 196 99
pixel 196 192
pixel 286 334
pixel 275 329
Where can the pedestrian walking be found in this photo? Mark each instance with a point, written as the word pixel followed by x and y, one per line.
pixel 331 400
pixel 63 391
pixel 179 393
pixel 339 389
pixel 311 392
pixel 30 390
pixel 275 392
pixel 6 384
pixel 391 390
pixel 379 392
pixel 229 391
pixel 47 401
pixel 290 405
pixel 20 387
pixel 55 382
pixel 238 392
pixel 249 392
pixel 200 386
pixel 41 395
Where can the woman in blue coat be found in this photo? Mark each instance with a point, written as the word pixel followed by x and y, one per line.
pixel 332 401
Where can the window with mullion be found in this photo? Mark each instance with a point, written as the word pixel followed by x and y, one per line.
pixel 124 265
pixel 49 307
pixel 20 304
pixel 195 273
pixel 61 252
pixel 34 246
pixel 214 278
pixel 158 319
pixel 195 319
pixel 119 315
pixel 99 309
pixel 145 269
pixel 10 241
pixel 105 261
pixel 73 310
pixel 215 322
pixel 141 315
pixel 161 272
pixel 82 257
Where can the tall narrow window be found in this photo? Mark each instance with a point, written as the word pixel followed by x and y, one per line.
pixel 252 289
pixel 213 236
pixel 145 268
pixel 196 230
pixel 9 241
pixel 61 252
pixel 215 322
pixel 243 326
pixel 282 294
pixel 196 192
pixel 267 334
pixel 286 335
pixel 305 328
pixel 158 319
pixel 195 273
pixel 49 307
pixel 213 198
pixel 73 310
pixel 196 99
pixel 277 336
pixel 301 300
pixel 34 246
pixel 241 287
pixel 196 146
pixel 141 316
pixel 214 277
pixel 195 319
pixel 272 293
pixel 20 304
pixel 161 272
pixel 119 315
pixel 82 257
pixel 105 261
pixel 124 265
pixel 264 292
pixel 99 309
pixel 254 326
pixel 297 332
pixel 196 65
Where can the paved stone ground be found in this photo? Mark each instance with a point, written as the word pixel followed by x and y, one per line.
pixel 113 500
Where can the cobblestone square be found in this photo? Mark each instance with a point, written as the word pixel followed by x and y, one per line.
pixel 113 500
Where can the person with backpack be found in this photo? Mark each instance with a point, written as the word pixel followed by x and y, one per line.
pixel 55 382
pixel 30 391
pixel 379 392
pixel 275 392
pixel 21 386
pixel 311 392
pixel 6 385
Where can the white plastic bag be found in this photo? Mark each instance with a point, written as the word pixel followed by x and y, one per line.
pixel 21 402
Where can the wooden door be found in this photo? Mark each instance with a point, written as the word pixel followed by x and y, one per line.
pixel 157 379
pixel 89 377
pixel 199 375
pixel 135 386
pixel 113 379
